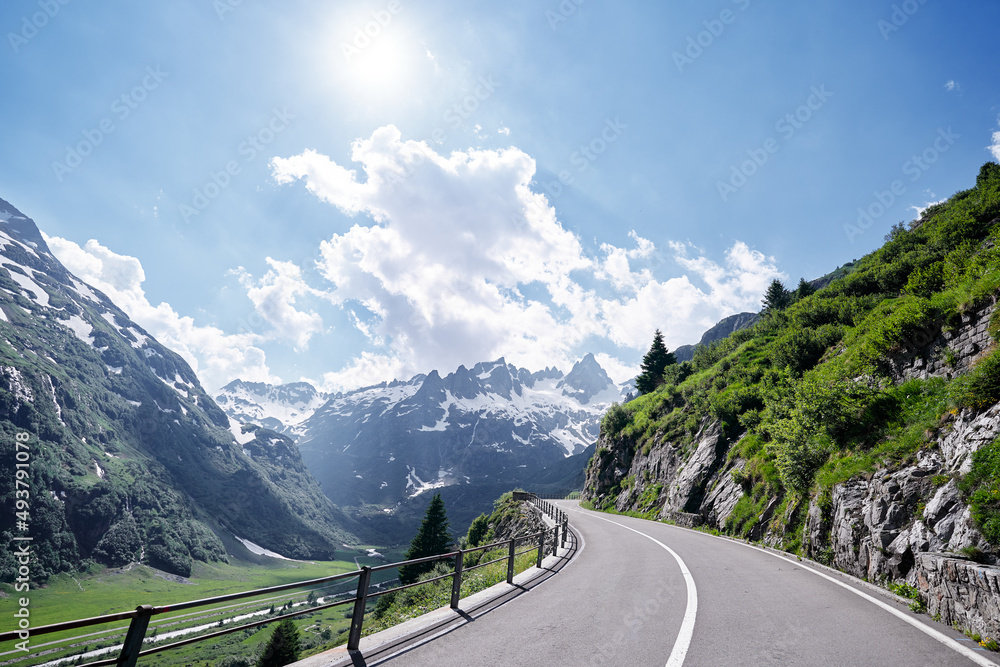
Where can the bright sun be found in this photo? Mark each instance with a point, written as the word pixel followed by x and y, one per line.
pixel 381 64
pixel 377 62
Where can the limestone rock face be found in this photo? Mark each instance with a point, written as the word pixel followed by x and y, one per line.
pixel 686 492
pixel 720 501
pixel 968 434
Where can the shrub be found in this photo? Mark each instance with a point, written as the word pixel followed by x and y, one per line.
pixel 891 327
pixel 981 388
pixel 477 531
pixel 926 280
pixel 614 420
pixel 982 488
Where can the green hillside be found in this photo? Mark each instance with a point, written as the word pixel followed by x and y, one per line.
pixel 831 387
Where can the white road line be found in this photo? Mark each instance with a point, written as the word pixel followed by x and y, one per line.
pixel 969 653
pixel 975 656
pixel 683 642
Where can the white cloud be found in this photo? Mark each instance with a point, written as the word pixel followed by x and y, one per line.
pixel 953 86
pixel 617 370
pixel 274 297
pixel 994 148
pixel 215 356
pixel 461 261
pixel 918 211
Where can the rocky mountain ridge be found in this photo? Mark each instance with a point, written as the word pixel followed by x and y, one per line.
pixel 720 330
pixel 471 435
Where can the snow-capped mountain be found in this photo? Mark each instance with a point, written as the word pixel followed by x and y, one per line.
pixel 281 409
pixel 470 435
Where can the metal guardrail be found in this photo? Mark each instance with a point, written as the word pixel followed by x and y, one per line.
pixel 140 617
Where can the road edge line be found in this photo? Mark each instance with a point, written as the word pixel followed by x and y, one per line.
pixel 977 657
pixel 685 634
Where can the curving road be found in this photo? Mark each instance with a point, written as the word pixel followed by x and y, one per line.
pixel 644 593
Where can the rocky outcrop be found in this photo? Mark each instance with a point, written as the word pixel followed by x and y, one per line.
pixel 664 479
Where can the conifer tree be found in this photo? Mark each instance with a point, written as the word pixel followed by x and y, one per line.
pixel 283 648
pixel 433 539
pixel 653 365
pixel 777 297
pixel 804 289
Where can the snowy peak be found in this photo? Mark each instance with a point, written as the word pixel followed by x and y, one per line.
pixel 21 227
pixel 586 380
pixel 280 408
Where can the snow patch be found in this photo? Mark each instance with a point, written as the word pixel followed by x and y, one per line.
pixel 259 550
pixel 442 424
pixel 27 284
pixel 419 486
pixel 79 326
pixel 237 430
pixel 84 290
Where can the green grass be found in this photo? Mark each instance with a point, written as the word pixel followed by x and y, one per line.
pixel 107 590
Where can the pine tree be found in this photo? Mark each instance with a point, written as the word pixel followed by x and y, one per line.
pixel 433 539
pixel 804 289
pixel 653 365
pixel 777 297
pixel 283 648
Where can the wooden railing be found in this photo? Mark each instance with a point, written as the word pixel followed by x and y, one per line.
pixel 139 618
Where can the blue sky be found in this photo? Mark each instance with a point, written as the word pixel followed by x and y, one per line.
pixel 349 192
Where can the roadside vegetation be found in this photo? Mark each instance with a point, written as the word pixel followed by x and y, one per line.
pixel 504 522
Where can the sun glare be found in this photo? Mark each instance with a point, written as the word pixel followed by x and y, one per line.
pixel 378 58
pixel 381 65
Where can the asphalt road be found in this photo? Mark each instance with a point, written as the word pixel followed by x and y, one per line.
pixel 645 593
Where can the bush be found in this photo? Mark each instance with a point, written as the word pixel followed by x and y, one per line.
pixel 927 280
pixel 892 327
pixel 981 388
pixel 174 562
pixel 614 420
pixel 982 488
pixel 477 531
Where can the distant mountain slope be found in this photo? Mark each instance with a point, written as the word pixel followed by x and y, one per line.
pixel 130 459
pixel 722 329
pixel 470 435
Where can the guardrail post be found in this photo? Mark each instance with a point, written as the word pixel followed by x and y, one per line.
pixel 565 530
pixel 456 581
pixel 541 549
pixel 510 561
pixel 134 637
pixel 358 617
pixel 555 540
